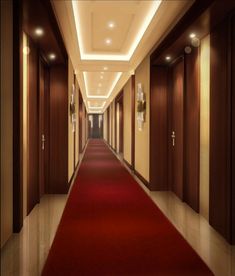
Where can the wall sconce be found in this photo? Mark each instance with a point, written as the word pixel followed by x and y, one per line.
pixel 141 106
pixel 73 109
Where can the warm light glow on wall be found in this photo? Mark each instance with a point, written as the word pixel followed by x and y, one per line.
pixel 25 120
pixel 121 57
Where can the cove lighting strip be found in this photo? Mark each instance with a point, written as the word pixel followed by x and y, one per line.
pixel 118 75
pixel 96 107
pixel 84 56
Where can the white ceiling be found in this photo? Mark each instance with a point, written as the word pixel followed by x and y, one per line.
pixel 106 40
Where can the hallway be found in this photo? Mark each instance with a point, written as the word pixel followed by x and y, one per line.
pixel 105 248
pixel 117 137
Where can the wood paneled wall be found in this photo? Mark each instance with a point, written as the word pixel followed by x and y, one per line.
pixel 32 128
pixel 222 118
pixel 158 128
pixel 191 129
pixel 160 136
pixel 58 130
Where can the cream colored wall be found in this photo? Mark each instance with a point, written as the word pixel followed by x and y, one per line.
pixel 142 75
pixel 6 121
pixel 105 126
pixel 204 125
pixel 127 121
pixel 70 125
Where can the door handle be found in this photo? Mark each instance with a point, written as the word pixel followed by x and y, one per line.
pixel 43 142
pixel 173 138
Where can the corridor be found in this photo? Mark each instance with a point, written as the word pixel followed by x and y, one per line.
pixel 117 137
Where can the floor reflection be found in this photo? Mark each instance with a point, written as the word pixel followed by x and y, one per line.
pixel 25 253
pixel 212 248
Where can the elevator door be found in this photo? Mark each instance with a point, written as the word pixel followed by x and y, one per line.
pixel 176 128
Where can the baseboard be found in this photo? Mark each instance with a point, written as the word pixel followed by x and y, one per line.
pixel 128 164
pixel 142 179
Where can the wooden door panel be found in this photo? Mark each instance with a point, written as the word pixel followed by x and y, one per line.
pixel 33 165
pixel 41 128
pixel 177 109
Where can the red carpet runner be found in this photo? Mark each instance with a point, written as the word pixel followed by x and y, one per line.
pixel 111 227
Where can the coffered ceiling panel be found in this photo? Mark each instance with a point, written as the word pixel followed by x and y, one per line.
pixel 100 84
pixel 117 34
pixel 107 40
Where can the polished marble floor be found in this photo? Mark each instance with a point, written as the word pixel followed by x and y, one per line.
pixel 25 253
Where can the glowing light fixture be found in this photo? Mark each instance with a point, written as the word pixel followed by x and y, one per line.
pixel 39 31
pixel 111 24
pixel 192 35
pixel 168 58
pixel 123 57
pixel 105 68
pixel 108 41
pixel 52 56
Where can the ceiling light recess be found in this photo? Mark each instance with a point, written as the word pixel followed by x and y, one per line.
pixel 168 58
pixel 52 56
pixel 118 75
pixel 192 35
pixel 111 24
pixel 121 57
pixel 39 31
pixel 96 107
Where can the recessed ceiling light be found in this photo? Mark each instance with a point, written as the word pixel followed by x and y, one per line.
pixel 101 77
pixel 99 84
pixel 192 35
pixel 108 41
pixel 105 68
pixel 102 73
pixel 168 58
pixel 39 31
pixel 52 56
pixel 111 24
pixel 146 20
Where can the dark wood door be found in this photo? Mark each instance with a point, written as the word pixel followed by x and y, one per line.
pixel 176 128
pixel 32 129
pixel 43 126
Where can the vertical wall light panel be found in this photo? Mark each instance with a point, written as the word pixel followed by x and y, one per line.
pixel 204 125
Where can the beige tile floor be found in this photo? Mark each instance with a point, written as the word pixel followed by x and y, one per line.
pixel 25 253
pixel 211 247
